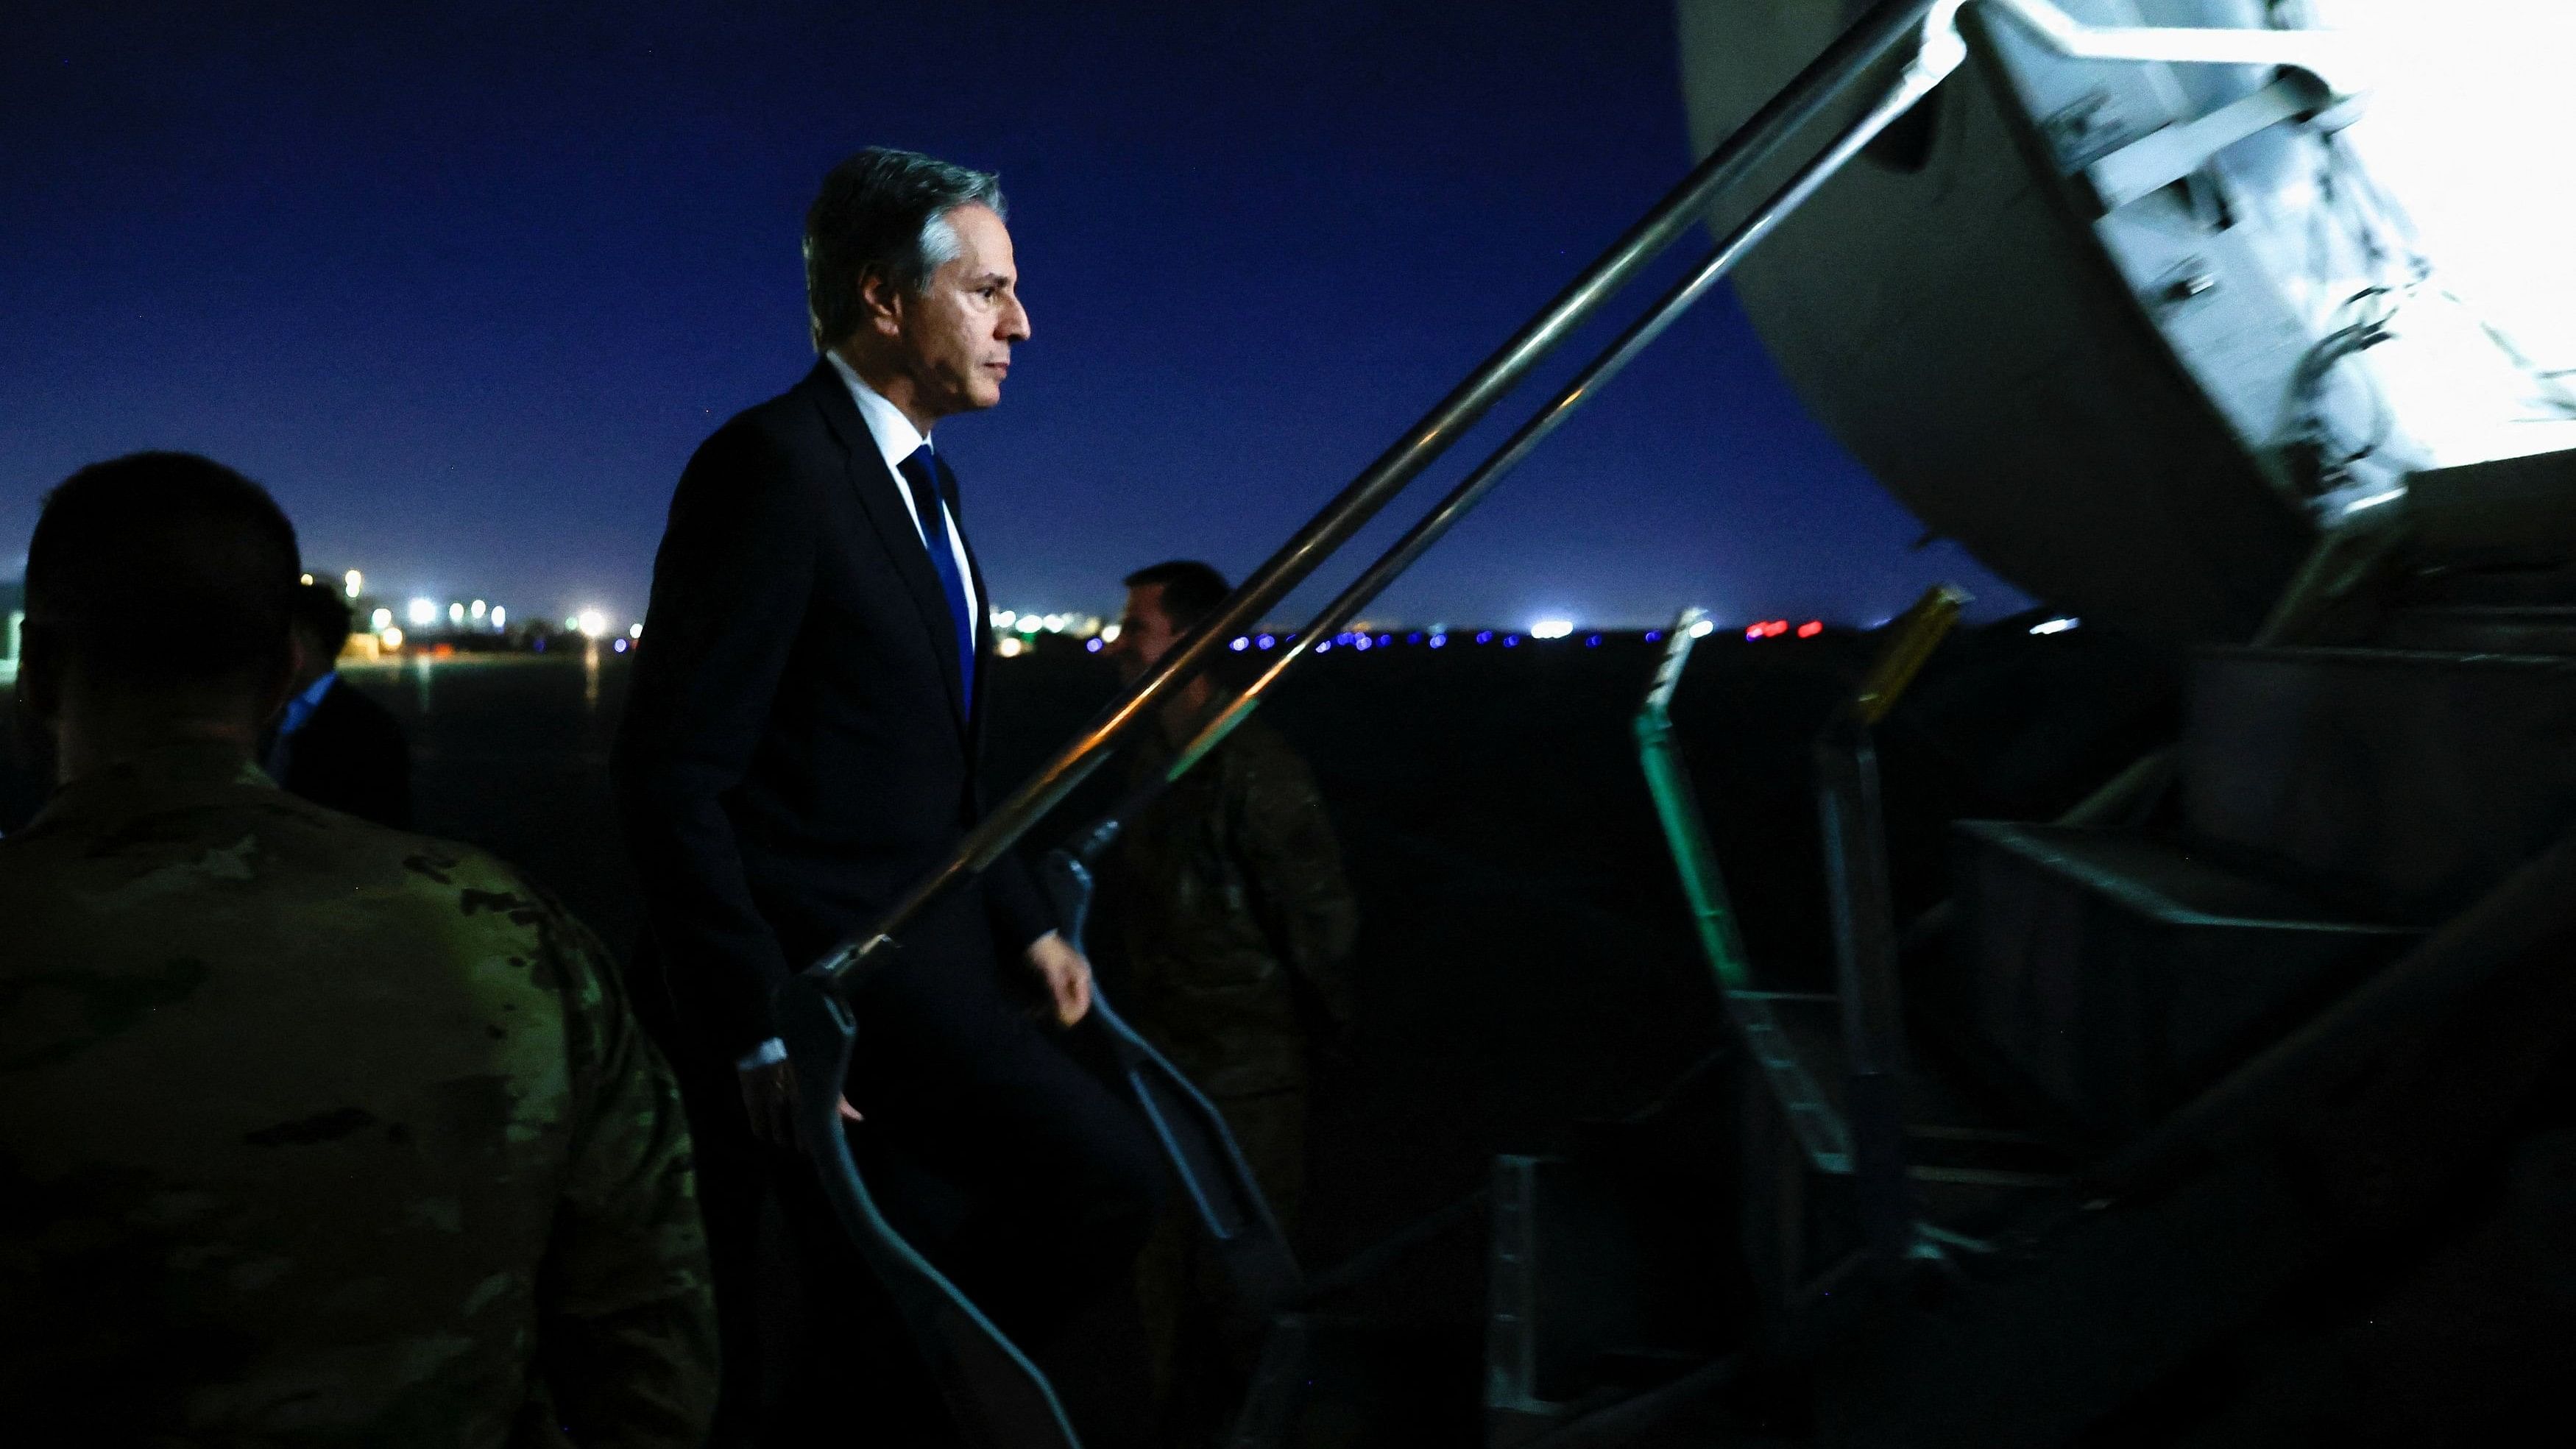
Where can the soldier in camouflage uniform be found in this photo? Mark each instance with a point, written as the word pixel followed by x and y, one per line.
pixel 1231 920
pixel 311 1132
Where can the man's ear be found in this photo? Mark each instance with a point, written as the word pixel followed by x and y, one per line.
pixel 881 302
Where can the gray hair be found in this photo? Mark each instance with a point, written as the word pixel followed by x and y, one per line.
pixel 883 211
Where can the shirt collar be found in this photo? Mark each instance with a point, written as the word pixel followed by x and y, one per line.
pixel 896 437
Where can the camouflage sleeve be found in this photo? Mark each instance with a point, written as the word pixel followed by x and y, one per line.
pixel 626 1320
pixel 1294 869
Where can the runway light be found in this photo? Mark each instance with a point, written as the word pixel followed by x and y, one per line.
pixel 1654 636
pixel 1413 638
pixel 635 631
pixel 423 613
pixel 1811 628
pixel 2055 626
pixel 1511 641
pixel 353 580
pixel 1484 636
pixel 1591 641
pixel 455 614
pixel 500 616
pixel 1094 646
pixel 392 638
pixel 1238 646
pixel 1551 628
pixel 621 646
pixel 1266 640
pixel 1752 633
pixel 1009 646
pixel 1004 618
pixel 381 620
pixel 476 610
pixel 1702 629
pixel 1774 628
pixel 591 623
pixel 1438 641
pixel 1108 633
pixel 1362 642
pixel 1327 644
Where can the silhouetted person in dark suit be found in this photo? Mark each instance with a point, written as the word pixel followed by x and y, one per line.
pixel 802 744
pixel 333 745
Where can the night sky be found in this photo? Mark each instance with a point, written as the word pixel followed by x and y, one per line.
pixel 465 286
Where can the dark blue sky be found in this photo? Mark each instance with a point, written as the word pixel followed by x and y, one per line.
pixel 465 286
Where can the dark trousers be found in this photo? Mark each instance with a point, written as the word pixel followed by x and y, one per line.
pixel 1017 1172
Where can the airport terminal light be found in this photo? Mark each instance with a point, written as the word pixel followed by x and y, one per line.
pixel 476 611
pixel 381 620
pixel 500 616
pixel 391 638
pixel 353 581
pixel 423 613
pixel 591 623
pixel 455 615
pixel 635 631
pixel 1551 628
pixel 1004 618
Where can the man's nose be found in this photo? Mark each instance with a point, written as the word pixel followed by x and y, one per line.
pixel 1015 321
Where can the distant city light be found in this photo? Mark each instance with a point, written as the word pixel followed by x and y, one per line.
pixel 1009 646
pixel 1004 618
pixel 2055 626
pixel 392 638
pixel 1266 640
pixel 1811 628
pixel 354 580
pixel 455 613
pixel 381 620
pixel 1238 646
pixel 1551 628
pixel 500 616
pixel 1700 630
pixel 423 613
pixel 635 631
pixel 476 610
pixel 591 622
pixel 1108 633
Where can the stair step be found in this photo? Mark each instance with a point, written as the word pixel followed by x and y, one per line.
pixel 2413 779
pixel 2111 976
pixel 2483 629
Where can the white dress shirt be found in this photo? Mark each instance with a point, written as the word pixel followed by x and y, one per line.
pixel 896 439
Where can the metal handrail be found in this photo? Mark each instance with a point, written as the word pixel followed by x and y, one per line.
pixel 1888 26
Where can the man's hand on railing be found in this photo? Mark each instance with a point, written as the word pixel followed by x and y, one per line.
pixel 1067 976
pixel 769 1096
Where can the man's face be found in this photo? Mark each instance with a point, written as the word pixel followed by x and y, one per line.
pixel 1145 633
pixel 955 339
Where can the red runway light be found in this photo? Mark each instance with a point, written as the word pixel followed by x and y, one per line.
pixel 1811 628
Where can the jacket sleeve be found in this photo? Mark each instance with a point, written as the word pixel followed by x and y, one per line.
pixel 730 587
pixel 626 1332
pixel 1293 869
pixel 1017 903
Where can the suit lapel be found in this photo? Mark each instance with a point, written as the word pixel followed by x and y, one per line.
pixel 875 485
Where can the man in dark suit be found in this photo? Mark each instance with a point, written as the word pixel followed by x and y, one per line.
pixel 331 744
pixel 801 744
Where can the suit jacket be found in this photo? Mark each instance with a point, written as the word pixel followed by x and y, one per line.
pixel 795 751
pixel 350 756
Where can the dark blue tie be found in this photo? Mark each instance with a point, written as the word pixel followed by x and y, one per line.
pixel 920 476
